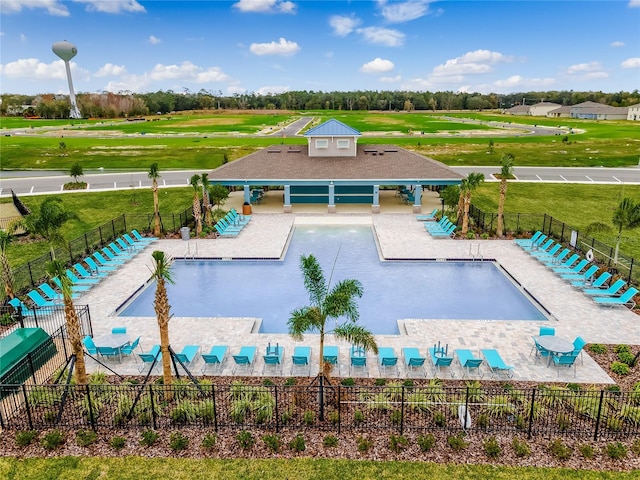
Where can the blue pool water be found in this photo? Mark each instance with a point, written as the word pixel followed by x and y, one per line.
pixel 392 290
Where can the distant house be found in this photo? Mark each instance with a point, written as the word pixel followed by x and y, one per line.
pixel 518 110
pixel 332 139
pixel 562 112
pixel 542 109
pixel 634 112
pixel 598 111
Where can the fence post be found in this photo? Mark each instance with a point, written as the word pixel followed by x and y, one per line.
pixel 31 367
pixel 2 425
pixel 100 232
pixel 92 420
pixel 595 433
pixel 31 274
pixel 533 399
pixel 86 242
pixel 339 409
pixel 215 413
pixel 275 391
pixel 113 229
pixel 402 411
pixel 630 270
pixel 124 221
pixel 562 233
pixel 153 409
pixel 26 405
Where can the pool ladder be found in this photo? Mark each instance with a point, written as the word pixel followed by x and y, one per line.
pixel 189 254
pixel 477 255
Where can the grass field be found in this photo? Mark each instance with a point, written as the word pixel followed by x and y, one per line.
pixel 135 468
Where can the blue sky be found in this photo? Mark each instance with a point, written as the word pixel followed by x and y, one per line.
pixel 265 46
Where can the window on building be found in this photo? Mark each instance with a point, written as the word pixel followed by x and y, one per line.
pixel 343 143
pixel 322 143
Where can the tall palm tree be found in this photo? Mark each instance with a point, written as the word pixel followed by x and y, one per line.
pixel 161 273
pixel 204 178
pixel 56 268
pixel 467 187
pixel 625 217
pixel 506 172
pixel 327 304
pixel 6 274
pixel 154 175
pixel 197 215
pixel 48 222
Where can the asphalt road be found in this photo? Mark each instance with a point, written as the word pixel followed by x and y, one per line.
pixel 52 182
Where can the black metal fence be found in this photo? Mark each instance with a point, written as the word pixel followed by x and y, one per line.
pixel 542 412
pixel 32 273
pixel 50 319
pixel 626 266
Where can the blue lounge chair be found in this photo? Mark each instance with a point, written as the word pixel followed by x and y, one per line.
pixel 597 283
pixel 358 359
pixel 51 295
pixel 387 358
pixel 528 241
pixel 428 216
pixel 413 359
pixel 331 355
pixel 16 303
pixel 129 348
pixel 89 346
pixel 301 358
pixel 83 273
pixel 215 357
pixel 555 248
pixel 74 288
pixel 591 271
pixel 440 360
pixel 234 219
pixel 39 300
pixel 566 264
pixel 112 257
pixel 535 244
pixel 572 270
pixel 124 246
pixel 99 269
pixel 606 292
pixel 226 225
pixel 438 225
pixel 626 299
pixel 133 243
pixel 188 354
pixel 243 218
pixel 140 238
pixel 449 232
pixel 273 358
pixel 118 252
pixel 496 364
pixel 103 262
pixel 154 355
pixel 542 248
pixel 468 361
pixel 79 281
pixel 224 233
pixel 554 260
pixel 244 359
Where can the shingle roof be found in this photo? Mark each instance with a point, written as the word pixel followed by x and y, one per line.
pixel 372 162
pixel 332 128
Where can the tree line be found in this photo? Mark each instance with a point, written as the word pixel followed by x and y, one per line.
pixel 128 104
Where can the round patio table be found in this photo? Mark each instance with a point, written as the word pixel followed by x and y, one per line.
pixel 554 345
pixel 112 340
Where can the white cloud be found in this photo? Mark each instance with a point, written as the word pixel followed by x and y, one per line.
pixel 617 44
pixel 377 65
pixel 112 6
pixel 274 89
pixel 236 90
pixel 53 7
pixel 343 25
pixel 633 62
pixel 110 70
pixel 265 6
pixel 282 47
pixel 23 38
pixel 471 63
pixel 382 36
pixel 396 79
pixel 519 82
pixel 188 71
pixel 404 11
pixel 34 69
pixel 153 40
pixel 634 3
pixel 581 68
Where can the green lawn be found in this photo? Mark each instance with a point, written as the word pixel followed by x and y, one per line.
pixel 136 468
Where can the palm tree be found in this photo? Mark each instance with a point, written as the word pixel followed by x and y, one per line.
pixel 326 304
pixel 6 274
pixel 56 268
pixel 506 172
pixel 161 273
pixel 625 217
pixel 204 178
pixel 154 175
pixel 48 222
pixel 467 187
pixel 195 183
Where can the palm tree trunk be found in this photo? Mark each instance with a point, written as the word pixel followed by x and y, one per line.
pixel 503 195
pixel 7 276
pixel 75 337
pixel 207 208
pixel 197 213
pixel 162 307
pixel 156 209
pixel 460 207
pixel 465 216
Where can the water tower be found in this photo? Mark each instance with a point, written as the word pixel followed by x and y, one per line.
pixel 66 51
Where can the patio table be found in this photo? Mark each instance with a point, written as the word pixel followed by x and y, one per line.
pixel 112 340
pixel 554 345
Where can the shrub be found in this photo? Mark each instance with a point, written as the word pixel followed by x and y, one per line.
pixel 26 438
pixel 209 441
pixel 621 348
pixel 52 439
pixel 408 383
pixel 396 417
pixel 564 421
pixel 482 421
pixel 330 441
pixel 471 235
pixel 616 451
pixel 364 444
pixel 267 382
pixel 358 417
pixel 380 382
pixel 439 418
pixel 635 446
pixel 597 348
pixel 184 412
pixel 84 438
pixel 348 382
pixel 491 447
pixel 426 442
pixel 177 441
pixel 558 449
pixel 520 447
pixel 398 443
pixel 334 417
pixel 586 450
pixel 297 443
pixel 309 417
pixel 117 442
pixel 626 357
pixel 274 442
pixel 290 382
pixel 457 443
pixel 620 368
pixel 574 387
pixel 149 437
pixel 245 439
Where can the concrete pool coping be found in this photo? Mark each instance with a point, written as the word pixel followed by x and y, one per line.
pixel 398 236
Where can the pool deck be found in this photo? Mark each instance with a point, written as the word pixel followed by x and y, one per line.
pixel 399 236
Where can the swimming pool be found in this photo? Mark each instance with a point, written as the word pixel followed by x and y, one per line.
pixel 392 290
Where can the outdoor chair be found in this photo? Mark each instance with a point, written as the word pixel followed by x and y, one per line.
pixel 273 358
pixel 528 241
pixel 119 330
pixel 109 352
pixel 188 354
pixel 413 360
pixel 83 273
pixel 244 359
pixel 130 347
pixel 468 361
pixel 567 360
pixel 358 359
pixel 496 363
pixel 140 238
pixel 74 288
pixel 387 358
pixel 154 355
pixel 606 292
pixel 51 294
pixel 99 269
pixel 331 355
pixel 428 216
pixel 440 360
pixel 89 346
pixel 597 283
pixel 301 359
pixel 39 299
pixel 626 299
pixel 215 357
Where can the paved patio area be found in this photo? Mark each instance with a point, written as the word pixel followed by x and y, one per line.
pixel 399 236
